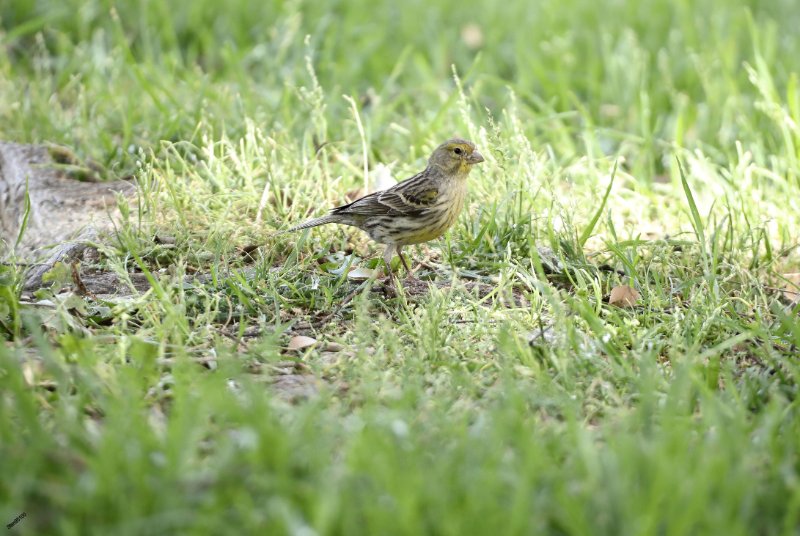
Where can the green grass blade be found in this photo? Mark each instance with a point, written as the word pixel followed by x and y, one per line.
pixel 587 232
pixel 697 220
pixel 25 217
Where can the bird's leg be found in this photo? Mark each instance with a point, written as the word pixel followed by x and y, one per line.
pixel 387 259
pixel 409 274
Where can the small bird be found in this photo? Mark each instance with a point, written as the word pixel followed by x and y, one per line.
pixel 415 210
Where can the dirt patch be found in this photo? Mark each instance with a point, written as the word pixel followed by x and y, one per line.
pixel 64 214
pixel 416 288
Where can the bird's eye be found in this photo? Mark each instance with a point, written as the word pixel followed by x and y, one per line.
pixel 458 150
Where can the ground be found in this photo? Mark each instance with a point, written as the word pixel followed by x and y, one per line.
pixel 605 343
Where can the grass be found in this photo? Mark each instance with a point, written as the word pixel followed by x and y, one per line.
pixel 506 398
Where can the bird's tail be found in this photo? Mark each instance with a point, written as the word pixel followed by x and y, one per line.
pixel 330 218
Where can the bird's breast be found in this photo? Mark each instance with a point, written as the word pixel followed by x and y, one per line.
pixel 435 221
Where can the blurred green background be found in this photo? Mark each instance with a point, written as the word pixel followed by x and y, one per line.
pixel 104 75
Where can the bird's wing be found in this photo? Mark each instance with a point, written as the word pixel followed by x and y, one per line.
pixel 408 198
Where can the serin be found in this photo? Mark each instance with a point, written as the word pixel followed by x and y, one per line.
pixel 418 209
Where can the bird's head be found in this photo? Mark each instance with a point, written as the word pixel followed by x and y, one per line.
pixel 456 156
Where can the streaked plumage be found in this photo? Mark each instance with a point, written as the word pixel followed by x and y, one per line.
pixel 415 210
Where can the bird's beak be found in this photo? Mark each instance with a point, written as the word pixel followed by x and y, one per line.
pixel 475 158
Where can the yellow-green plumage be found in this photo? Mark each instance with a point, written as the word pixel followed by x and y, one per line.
pixel 416 210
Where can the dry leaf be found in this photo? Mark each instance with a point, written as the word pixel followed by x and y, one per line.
pixel 623 296
pixel 301 342
pixel 333 347
pixel 361 274
pixel 29 372
pixel 165 239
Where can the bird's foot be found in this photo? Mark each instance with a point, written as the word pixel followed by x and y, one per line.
pixel 389 289
pixel 391 284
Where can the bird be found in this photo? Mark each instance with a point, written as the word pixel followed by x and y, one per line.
pixel 416 210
